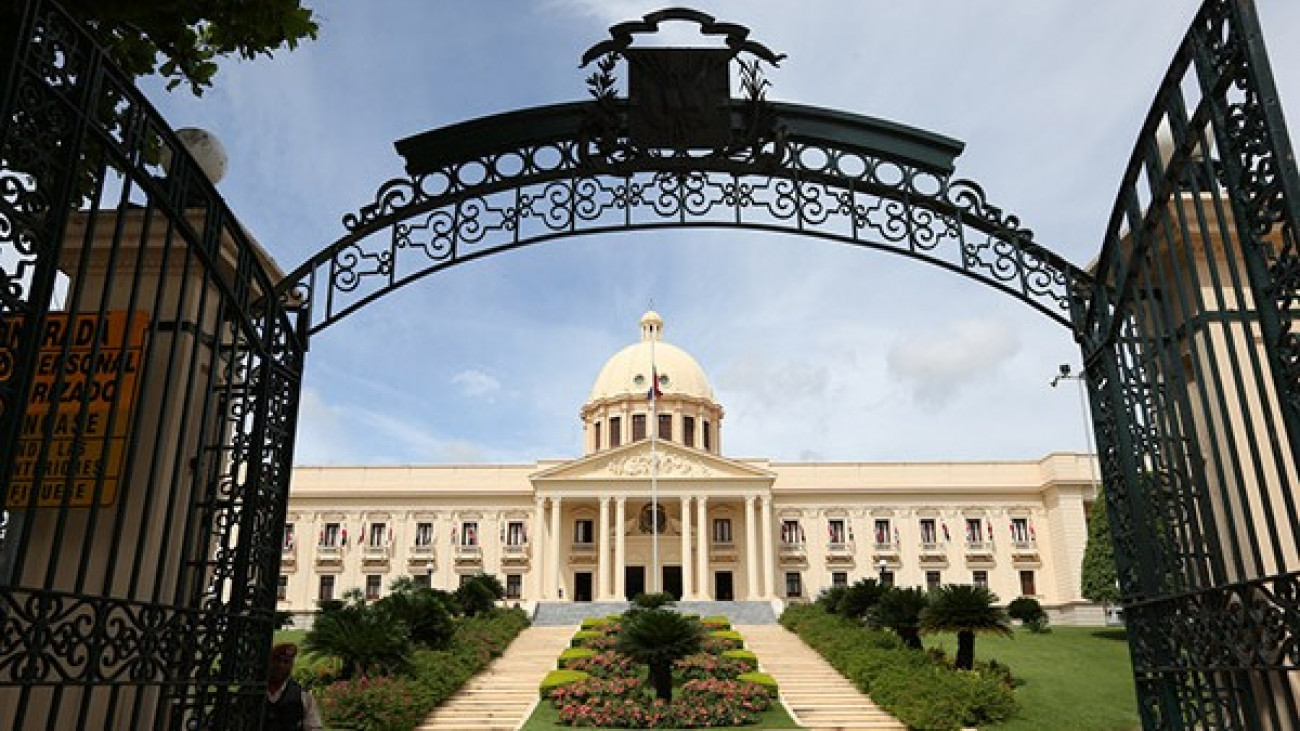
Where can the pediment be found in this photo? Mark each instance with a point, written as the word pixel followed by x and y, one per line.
pixel 635 462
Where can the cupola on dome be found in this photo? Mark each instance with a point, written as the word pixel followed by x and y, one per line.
pixel 629 371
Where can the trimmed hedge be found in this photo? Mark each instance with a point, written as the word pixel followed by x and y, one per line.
pixel 574 653
pixel 746 655
pixel 732 637
pixel 559 679
pixel 762 679
pixel 716 623
pixel 580 637
pixel 911 684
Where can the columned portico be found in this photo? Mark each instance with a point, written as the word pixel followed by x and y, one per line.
pixel 602 552
pixel 620 547
pixel 702 547
pixel 769 550
pixel 556 540
pixel 688 591
pixel 545 590
pixel 751 550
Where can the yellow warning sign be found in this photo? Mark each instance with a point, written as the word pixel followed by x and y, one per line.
pixel 78 416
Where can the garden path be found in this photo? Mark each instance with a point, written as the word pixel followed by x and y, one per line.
pixel 501 697
pixel 815 693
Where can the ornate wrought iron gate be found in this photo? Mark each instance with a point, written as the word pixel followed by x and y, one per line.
pixel 150 356
pixel 1191 357
pixel 148 390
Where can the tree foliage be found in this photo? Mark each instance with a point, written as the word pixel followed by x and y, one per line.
pixel 183 41
pixel 1100 578
pixel 479 594
pixel 426 613
pixel 966 610
pixel 900 611
pixel 366 641
pixel 658 638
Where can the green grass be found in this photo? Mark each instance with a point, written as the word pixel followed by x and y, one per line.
pixel 546 718
pixel 1071 679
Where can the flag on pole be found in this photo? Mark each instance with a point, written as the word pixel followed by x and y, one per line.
pixel 654 391
pixel 945 532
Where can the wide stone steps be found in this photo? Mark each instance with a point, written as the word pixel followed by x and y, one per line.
pixel 815 693
pixel 502 696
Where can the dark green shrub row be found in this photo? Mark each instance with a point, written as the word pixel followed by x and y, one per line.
pixel 915 686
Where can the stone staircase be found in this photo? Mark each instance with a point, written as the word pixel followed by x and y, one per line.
pixel 551 614
pixel 815 693
pixel 502 696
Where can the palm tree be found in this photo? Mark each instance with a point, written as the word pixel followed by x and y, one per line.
pixel 900 610
pixel 658 638
pixel 966 610
pixel 362 638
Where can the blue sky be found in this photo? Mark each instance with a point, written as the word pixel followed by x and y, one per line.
pixel 816 350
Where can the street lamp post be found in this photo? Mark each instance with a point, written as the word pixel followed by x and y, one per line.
pixel 1065 374
pixel 428 572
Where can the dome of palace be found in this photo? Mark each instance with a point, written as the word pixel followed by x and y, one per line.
pixel 628 372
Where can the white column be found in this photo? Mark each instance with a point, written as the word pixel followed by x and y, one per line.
pixel 702 548
pixel 554 545
pixel 688 591
pixel 751 550
pixel 769 550
pixel 602 556
pixel 620 549
pixel 537 541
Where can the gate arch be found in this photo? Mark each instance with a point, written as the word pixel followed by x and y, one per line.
pixel 610 164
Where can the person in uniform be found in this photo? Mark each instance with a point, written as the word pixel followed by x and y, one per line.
pixel 289 707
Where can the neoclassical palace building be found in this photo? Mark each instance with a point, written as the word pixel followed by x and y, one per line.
pixel 654 491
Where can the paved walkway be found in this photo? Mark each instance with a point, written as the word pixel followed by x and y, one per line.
pixel 815 693
pixel 501 697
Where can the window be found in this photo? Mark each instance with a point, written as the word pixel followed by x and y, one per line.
pixel 378 537
pixel 886 578
pixel 974 530
pixel 464 579
pixel 424 581
pixel 928 534
pixel 373 583
pixel 793 583
pixel 839 579
pixel 638 427
pixel 326 589
pixel 595 431
pixel 791 532
pixel 469 533
pixel 932 580
pixel 722 530
pixel 329 535
pixel 516 533
pixel 1027 583
pixel 708 441
pixel 584 531
pixel 835 528
pixel 1020 530
pixel 980 578
pixel 288 537
pixel 514 586
pixel 882 532
pixel 666 427
pixel 615 431
pixel 424 534
pixel 688 431
pixel 282 588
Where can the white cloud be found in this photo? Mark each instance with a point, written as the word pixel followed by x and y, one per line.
pixel 474 383
pixel 936 366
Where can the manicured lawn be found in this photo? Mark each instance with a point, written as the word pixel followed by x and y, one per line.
pixel 1072 679
pixel 545 718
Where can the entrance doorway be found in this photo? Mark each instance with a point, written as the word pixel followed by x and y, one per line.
pixel 582 586
pixel 633 581
pixel 673 581
pixel 723 590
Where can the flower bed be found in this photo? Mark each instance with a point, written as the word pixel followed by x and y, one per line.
pixel 708 692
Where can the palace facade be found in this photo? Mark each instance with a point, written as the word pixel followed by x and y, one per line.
pixel 654 490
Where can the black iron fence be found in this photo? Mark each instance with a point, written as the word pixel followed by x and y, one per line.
pixel 148 392
pixel 1192 366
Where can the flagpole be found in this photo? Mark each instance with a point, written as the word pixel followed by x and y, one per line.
pixel 654 463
